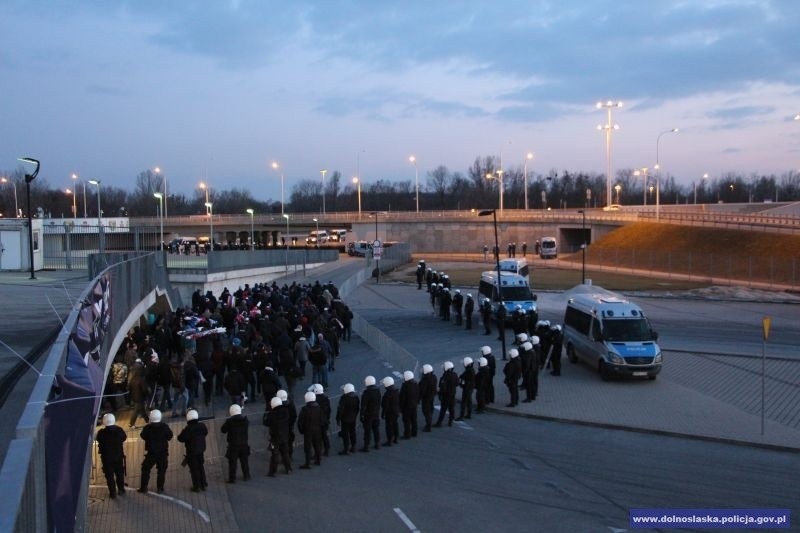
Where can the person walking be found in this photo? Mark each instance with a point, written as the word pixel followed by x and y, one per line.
pixel 325 404
pixel 346 417
pixel 370 413
pixel 110 443
pixel 236 427
pixel 156 436
pixel 310 426
pixel 193 436
pixel 427 394
pixel 277 421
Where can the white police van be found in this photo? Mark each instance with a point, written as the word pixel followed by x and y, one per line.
pixel 516 266
pixel 610 333
pixel 515 289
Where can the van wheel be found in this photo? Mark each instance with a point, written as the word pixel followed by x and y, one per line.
pixel 571 354
pixel 605 374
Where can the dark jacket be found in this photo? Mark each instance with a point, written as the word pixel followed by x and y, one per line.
pixel 236 427
pixel 370 403
pixel 512 371
pixel 309 421
pixel 235 384
pixel 448 384
pixel 409 396
pixel 277 420
pixel 156 437
pixel 109 442
pixel 390 403
pixel 467 378
pixel 194 437
pixel 325 403
pixel 427 386
pixel 484 378
pixel 270 384
pixel 347 411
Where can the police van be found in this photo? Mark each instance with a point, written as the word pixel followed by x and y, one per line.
pixel 515 289
pixel 610 333
pixel 548 248
pixel 516 266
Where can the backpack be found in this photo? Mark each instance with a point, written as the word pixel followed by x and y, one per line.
pixel 119 374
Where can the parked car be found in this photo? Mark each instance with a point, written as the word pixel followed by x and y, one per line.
pixel 358 248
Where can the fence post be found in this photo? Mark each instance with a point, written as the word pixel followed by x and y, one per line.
pixel 68 251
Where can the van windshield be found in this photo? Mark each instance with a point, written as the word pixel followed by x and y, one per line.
pixel 548 244
pixel 517 294
pixel 627 330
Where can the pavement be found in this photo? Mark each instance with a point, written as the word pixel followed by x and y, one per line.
pixel 677 403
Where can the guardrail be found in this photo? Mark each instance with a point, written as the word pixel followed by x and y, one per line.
pixel 59 417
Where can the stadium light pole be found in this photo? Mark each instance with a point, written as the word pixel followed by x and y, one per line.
pixel 358 185
pixel 205 187
pixel 160 198
pixel 609 127
pixel 413 160
pixel 658 170
pixel 493 212
pixel 75 178
pixel 250 212
pixel 166 194
pixel 28 179
pixel 528 157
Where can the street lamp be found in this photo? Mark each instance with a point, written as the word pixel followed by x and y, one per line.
pixel 413 160
pixel 160 198
pixel 705 177
pixel 493 212
pixel 287 242
pixel 583 248
pixel 658 170
pixel 275 166
pixel 528 157
pixel 617 188
pixel 357 182
pixel 164 175
pixel 316 242
pixel 250 212
pixel 99 216
pixel 608 128
pixel 13 186
pixel 323 172
pixel 499 179
pixel 210 207
pixel 75 177
pixel 67 192
pixel 642 172
pixel 205 188
pixel 28 179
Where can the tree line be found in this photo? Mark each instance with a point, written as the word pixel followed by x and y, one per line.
pixel 439 189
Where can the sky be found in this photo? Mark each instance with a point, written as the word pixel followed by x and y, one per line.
pixel 216 91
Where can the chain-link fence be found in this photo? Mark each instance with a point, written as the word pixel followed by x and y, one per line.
pixel 67 246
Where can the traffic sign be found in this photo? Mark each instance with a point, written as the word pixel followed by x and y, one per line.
pixel 377 251
pixel 377 243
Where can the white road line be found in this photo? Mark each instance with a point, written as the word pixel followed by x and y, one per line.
pixel 183 504
pixel 463 425
pixel 409 524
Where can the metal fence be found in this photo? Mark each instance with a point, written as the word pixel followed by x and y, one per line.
pixel 68 246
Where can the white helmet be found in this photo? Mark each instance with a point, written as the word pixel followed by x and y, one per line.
pixel 369 380
pixel 469 296
pixel 535 340
pixel 522 337
pixel 408 375
pixel 447 365
pixel 467 361
pixel 155 416
pixel 282 395
pixel 348 388
pixel 235 409
pixel 547 323
pixel 318 389
pixel 527 346
pixel 541 323
pixel 485 350
pixel 191 414
pixel 387 382
pixel 275 402
pixel 557 327
pixel 483 361
pixel 427 369
pixel 310 397
pixel 513 352
pixel 109 420
pixel 458 291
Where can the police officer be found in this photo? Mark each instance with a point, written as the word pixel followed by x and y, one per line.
pixel 193 437
pixel 448 384
pixel 427 394
pixel 325 403
pixel 491 362
pixel 482 380
pixel 512 372
pixel 467 383
pixel 110 441
pixel 543 332
pixel 557 342
pixel 524 249
pixel 310 425
pixel 292 417
pixel 530 369
pixel 501 322
pixel 346 417
pixel 436 289
pixel 444 304
pixel 390 410
pixel 237 428
pixel 519 320
pixel 469 307
pixel 156 436
pixel 409 400
pixel 420 274
pixel 486 315
pixel 429 278
pixel 277 420
pixel 370 413
pixel 446 281
pixel 458 306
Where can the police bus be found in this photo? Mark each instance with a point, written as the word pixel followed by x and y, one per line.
pixel 610 333
pixel 515 289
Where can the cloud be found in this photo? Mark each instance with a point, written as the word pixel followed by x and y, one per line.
pixel 731 150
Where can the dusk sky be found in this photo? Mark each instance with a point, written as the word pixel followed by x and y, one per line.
pixel 216 91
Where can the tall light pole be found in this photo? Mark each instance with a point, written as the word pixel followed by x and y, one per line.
pixel 67 192
pixel 583 248
pixel 16 205
pixel 528 157
pixel 99 216
pixel 250 212
pixel 493 212
pixel 357 182
pixel 210 207
pixel 160 198
pixel 617 188
pixel 287 242
pixel 75 178
pixel 323 172
pixel 705 177
pixel 658 170
pixel 166 195
pixel 28 179
pixel 413 160
pixel 609 127
pixel 642 172
pixel 205 188
pixel 316 242
pixel 277 167
pixel 499 179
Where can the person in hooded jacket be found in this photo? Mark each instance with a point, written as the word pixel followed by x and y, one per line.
pixel 448 385
pixel 236 427
pixel 467 383
pixel 156 436
pixel 370 413
pixel 427 395
pixel 193 436
pixel 346 417
pixel 409 400
pixel 390 410
pixel 110 443
pixel 277 420
pixel 309 424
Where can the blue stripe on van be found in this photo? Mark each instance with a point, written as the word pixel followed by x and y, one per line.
pixel 635 349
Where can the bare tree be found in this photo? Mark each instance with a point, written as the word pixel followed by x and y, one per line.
pixel 438 180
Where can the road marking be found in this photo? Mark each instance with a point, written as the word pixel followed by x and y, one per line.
pixel 183 504
pixel 462 425
pixel 409 524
